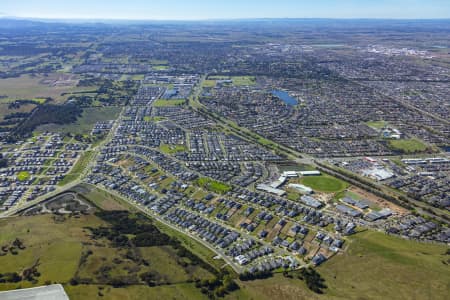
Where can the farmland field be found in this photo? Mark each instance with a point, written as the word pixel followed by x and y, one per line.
pixel 28 87
pixel 57 246
pixel 5 110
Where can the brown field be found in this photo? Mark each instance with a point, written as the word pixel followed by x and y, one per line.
pixel 104 200
pixel 28 87
pixel 378 201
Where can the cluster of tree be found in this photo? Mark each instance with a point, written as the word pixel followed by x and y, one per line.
pixel 116 239
pixel 194 259
pixel 313 280
pixel 146 234
pixel 147 239
pixel 8 123
pixel 10 277
pixel 13 248
pixel 124 280
pixel 104 277
pixel 84 257
pixel 90 81
pixel 134 254
pixel 256 275
pixel 3 161
pixel 19 244
pixel 123 224
pixel 82 100
pixel 77 280
pixel 218 286
pixel 16 115
pixel 18 103
pixel 152 278
pixel 109 92
pixel 86 139
pixel 46 114
pixel 31 273
pixel 13 119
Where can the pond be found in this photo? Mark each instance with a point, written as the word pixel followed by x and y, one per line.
pixel 285 97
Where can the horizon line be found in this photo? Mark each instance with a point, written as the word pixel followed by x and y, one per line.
pixel 4 17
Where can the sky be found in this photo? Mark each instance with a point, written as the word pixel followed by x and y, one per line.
pixel 224 9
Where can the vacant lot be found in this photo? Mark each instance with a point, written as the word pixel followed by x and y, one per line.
pixel 102 199
pixel 243 80
pixel 23 175
pixel 378 266
pixel 213 185
pixel 408 145
pixel 160 68
pixel 209 83
pixel 153 119
pixel 86 122
pixel 57 245
pixel 377 124
pixel 171 149
pixel 164 102
pixel 78 168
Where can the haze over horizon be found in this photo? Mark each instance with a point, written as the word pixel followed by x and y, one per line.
pixel 232 9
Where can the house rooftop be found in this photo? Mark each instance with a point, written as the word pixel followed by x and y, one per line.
pixel 48 292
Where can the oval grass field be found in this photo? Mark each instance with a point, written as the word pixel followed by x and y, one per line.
pixel 324 183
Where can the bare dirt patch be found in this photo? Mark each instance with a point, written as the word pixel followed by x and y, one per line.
pixel 382 203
